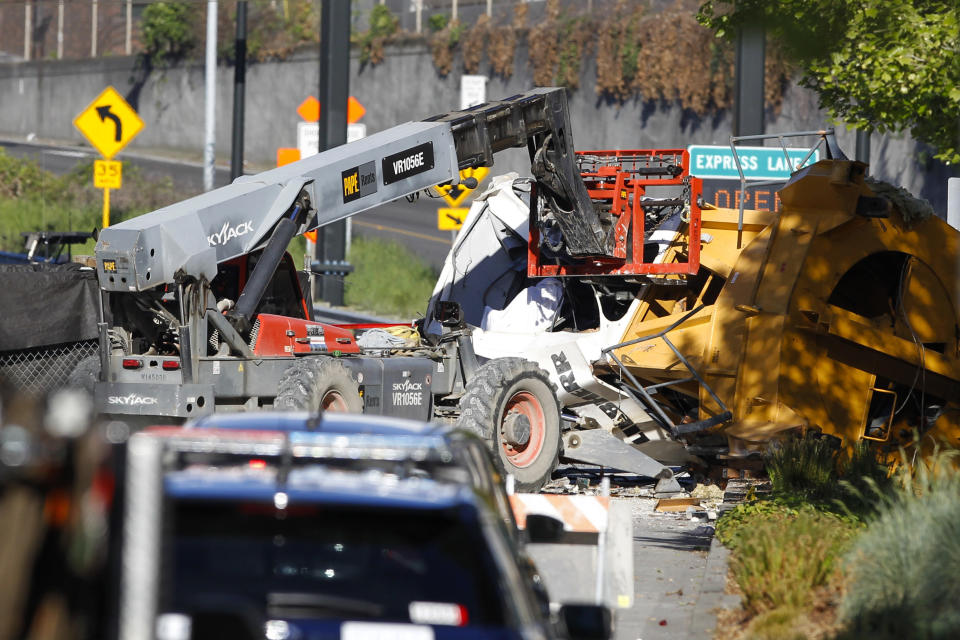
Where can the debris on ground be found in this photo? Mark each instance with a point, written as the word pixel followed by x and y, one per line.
pixel 674 505
pixel 710 493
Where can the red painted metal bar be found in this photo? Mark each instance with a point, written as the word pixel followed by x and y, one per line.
pixel 620 179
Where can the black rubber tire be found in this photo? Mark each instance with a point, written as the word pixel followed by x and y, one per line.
pixel 305 386
pixel 483 407
pixel 86 374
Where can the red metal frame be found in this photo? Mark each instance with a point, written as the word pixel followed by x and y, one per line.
pixel 623 184
pixel 278 336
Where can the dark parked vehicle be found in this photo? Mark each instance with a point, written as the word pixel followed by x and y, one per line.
pixel 286 526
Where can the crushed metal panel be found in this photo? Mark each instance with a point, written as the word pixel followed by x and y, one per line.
pixel 599 447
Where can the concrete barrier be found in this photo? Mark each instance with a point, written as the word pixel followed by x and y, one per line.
pixel 594 562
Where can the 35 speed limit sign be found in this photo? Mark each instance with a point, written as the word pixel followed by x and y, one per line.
pixel 107 174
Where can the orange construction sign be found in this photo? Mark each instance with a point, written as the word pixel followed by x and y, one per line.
pixel 309 110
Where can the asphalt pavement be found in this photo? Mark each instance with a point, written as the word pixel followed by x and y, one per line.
pixel 678 579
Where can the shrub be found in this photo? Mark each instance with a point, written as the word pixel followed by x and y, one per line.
pixel 21 177
pixel 437 22
pixel 383 24
pixel 442 45
pixel 903 569
pixel 167 31
pixel 865 479
pixel 803 466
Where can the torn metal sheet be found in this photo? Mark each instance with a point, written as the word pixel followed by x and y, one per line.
pixel 599 447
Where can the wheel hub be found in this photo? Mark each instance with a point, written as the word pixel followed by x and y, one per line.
pixel 516 429
pixel 333 401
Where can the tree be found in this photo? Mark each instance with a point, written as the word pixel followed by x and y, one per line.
pixel 167 34
pixel 878 65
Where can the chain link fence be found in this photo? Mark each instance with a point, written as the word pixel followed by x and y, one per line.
pixel 44 369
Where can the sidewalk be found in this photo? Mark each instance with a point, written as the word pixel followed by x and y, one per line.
pixel 679 574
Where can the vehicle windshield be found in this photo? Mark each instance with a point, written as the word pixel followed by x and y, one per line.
pixel 330 562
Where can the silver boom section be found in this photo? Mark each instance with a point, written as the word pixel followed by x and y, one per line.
pixel 193 236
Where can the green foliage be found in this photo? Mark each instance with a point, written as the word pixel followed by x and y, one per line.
pixel 167 32
pixel 903 569
pixel 574 33
pixel 880 65
pixel 387 279
pixel 804 466
pixel 383 24
pixel 813 468
pixel 437 22
pixel 865 480
pixel 302 22
pixel 274 29
pixel 22 177
pixel 629 52
pixel 37 214
pixel 777 624
pixel 32 199
pixel 739 519
pixel 781 552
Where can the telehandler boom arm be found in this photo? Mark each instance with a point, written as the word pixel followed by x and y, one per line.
pixel 187 240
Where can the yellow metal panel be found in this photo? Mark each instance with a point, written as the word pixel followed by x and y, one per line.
pixel 852 327
pixel 786 258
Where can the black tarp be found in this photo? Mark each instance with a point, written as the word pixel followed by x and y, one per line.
pixel 44 304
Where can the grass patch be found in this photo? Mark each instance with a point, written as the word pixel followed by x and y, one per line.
pixel 778 624
pixel 783 551
pixel 813 468
pixel 388 279
pixel 839 529
pixel 805 466
pixel 787 549
pixel 33 199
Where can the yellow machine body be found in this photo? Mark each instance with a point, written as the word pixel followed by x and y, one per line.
pixel 826 315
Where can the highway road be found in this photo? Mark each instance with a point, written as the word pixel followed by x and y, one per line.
pixel 412 224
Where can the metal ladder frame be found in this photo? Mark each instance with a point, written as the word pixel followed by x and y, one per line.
pixel 644 395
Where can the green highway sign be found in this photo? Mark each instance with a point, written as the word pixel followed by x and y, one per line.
pixel 758 163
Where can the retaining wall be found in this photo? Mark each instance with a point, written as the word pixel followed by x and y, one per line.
pixel 42 98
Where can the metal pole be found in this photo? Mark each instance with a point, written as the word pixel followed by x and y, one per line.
pixel 419 4
pixel 128 40
pixel 863 146
pixel 453 12
pixel 27 29
pixel 602 545
pixel 953 202
pixel 59 29
pixel 209 137
pixel 333 92
pixel 106 208
pixel 748 97
pixel 93 29
pixel 489 8
pixel 239 85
